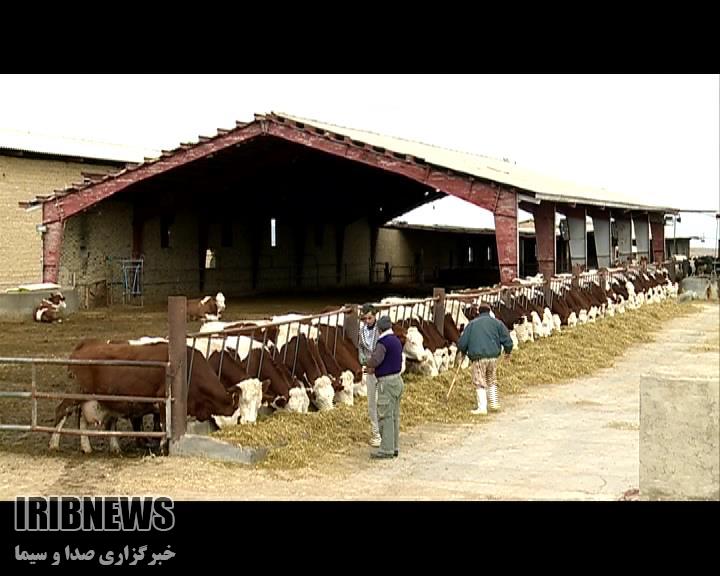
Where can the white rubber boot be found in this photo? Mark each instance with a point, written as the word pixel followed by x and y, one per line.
pixel 481 401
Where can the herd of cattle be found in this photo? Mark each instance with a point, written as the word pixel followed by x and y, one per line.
pixel 300 363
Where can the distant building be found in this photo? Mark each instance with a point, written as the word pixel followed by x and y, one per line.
pixel 678 246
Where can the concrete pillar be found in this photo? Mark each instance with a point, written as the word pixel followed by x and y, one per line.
pixel 642 235
pixel 578 235
pixel 623 225
pixel 603 238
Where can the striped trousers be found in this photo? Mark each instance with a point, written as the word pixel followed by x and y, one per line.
pixel 484 372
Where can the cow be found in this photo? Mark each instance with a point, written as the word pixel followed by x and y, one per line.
pixel 285 391
pixel 50 309
pixel 450 329
pixel 207 308
pixel 256 354
pixel 232 375
pixel 345 352
pixel 343 379
pixel 298 356
pixel 206 394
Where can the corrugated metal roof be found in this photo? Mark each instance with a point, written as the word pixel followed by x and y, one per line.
pixel 72 147
pixel 544 187
pixel 539 186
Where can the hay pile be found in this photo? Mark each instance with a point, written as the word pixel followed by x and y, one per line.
pixel 296 441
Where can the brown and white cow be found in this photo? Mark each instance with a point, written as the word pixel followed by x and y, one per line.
pixel 207 308
pixel 285 391
pixel 206 394
pixel 51 309
pixel 298 355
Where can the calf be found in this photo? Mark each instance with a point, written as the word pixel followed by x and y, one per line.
pixel 207 308
pixel 50 309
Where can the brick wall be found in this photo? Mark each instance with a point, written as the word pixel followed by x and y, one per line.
pixel 21 179
pixel 93 243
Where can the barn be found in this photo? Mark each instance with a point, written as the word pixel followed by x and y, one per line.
pixel 283 202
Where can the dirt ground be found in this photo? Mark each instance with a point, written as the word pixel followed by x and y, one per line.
pixel 578 441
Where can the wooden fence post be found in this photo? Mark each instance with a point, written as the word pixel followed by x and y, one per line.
pixel 177 352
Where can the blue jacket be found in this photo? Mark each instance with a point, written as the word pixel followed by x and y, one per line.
pixel 485 337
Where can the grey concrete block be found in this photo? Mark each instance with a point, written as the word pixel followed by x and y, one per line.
pixel 19 306
pixel 207 447
pixel 200 428
pixel 703 286
pixel 679 451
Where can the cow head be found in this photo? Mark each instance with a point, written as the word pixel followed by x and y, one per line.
pixel 414 344
pixel 360 388
pixel 250 399
pixel 345 395
pixel 323 393
pixel 220 301
pixel 59 299
pixel 299 401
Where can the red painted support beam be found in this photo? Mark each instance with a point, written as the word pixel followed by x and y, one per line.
pixel 52 246
pixel 74 202
pixel 545 237
pixel 506 234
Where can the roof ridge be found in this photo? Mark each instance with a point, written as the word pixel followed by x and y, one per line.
pixel 386 135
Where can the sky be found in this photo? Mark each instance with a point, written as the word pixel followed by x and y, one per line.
pixel 655 136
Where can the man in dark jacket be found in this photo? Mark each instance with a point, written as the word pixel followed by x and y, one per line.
pixel 386 364
pixel 482 341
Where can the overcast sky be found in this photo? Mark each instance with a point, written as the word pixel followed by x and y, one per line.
pixel 656 136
